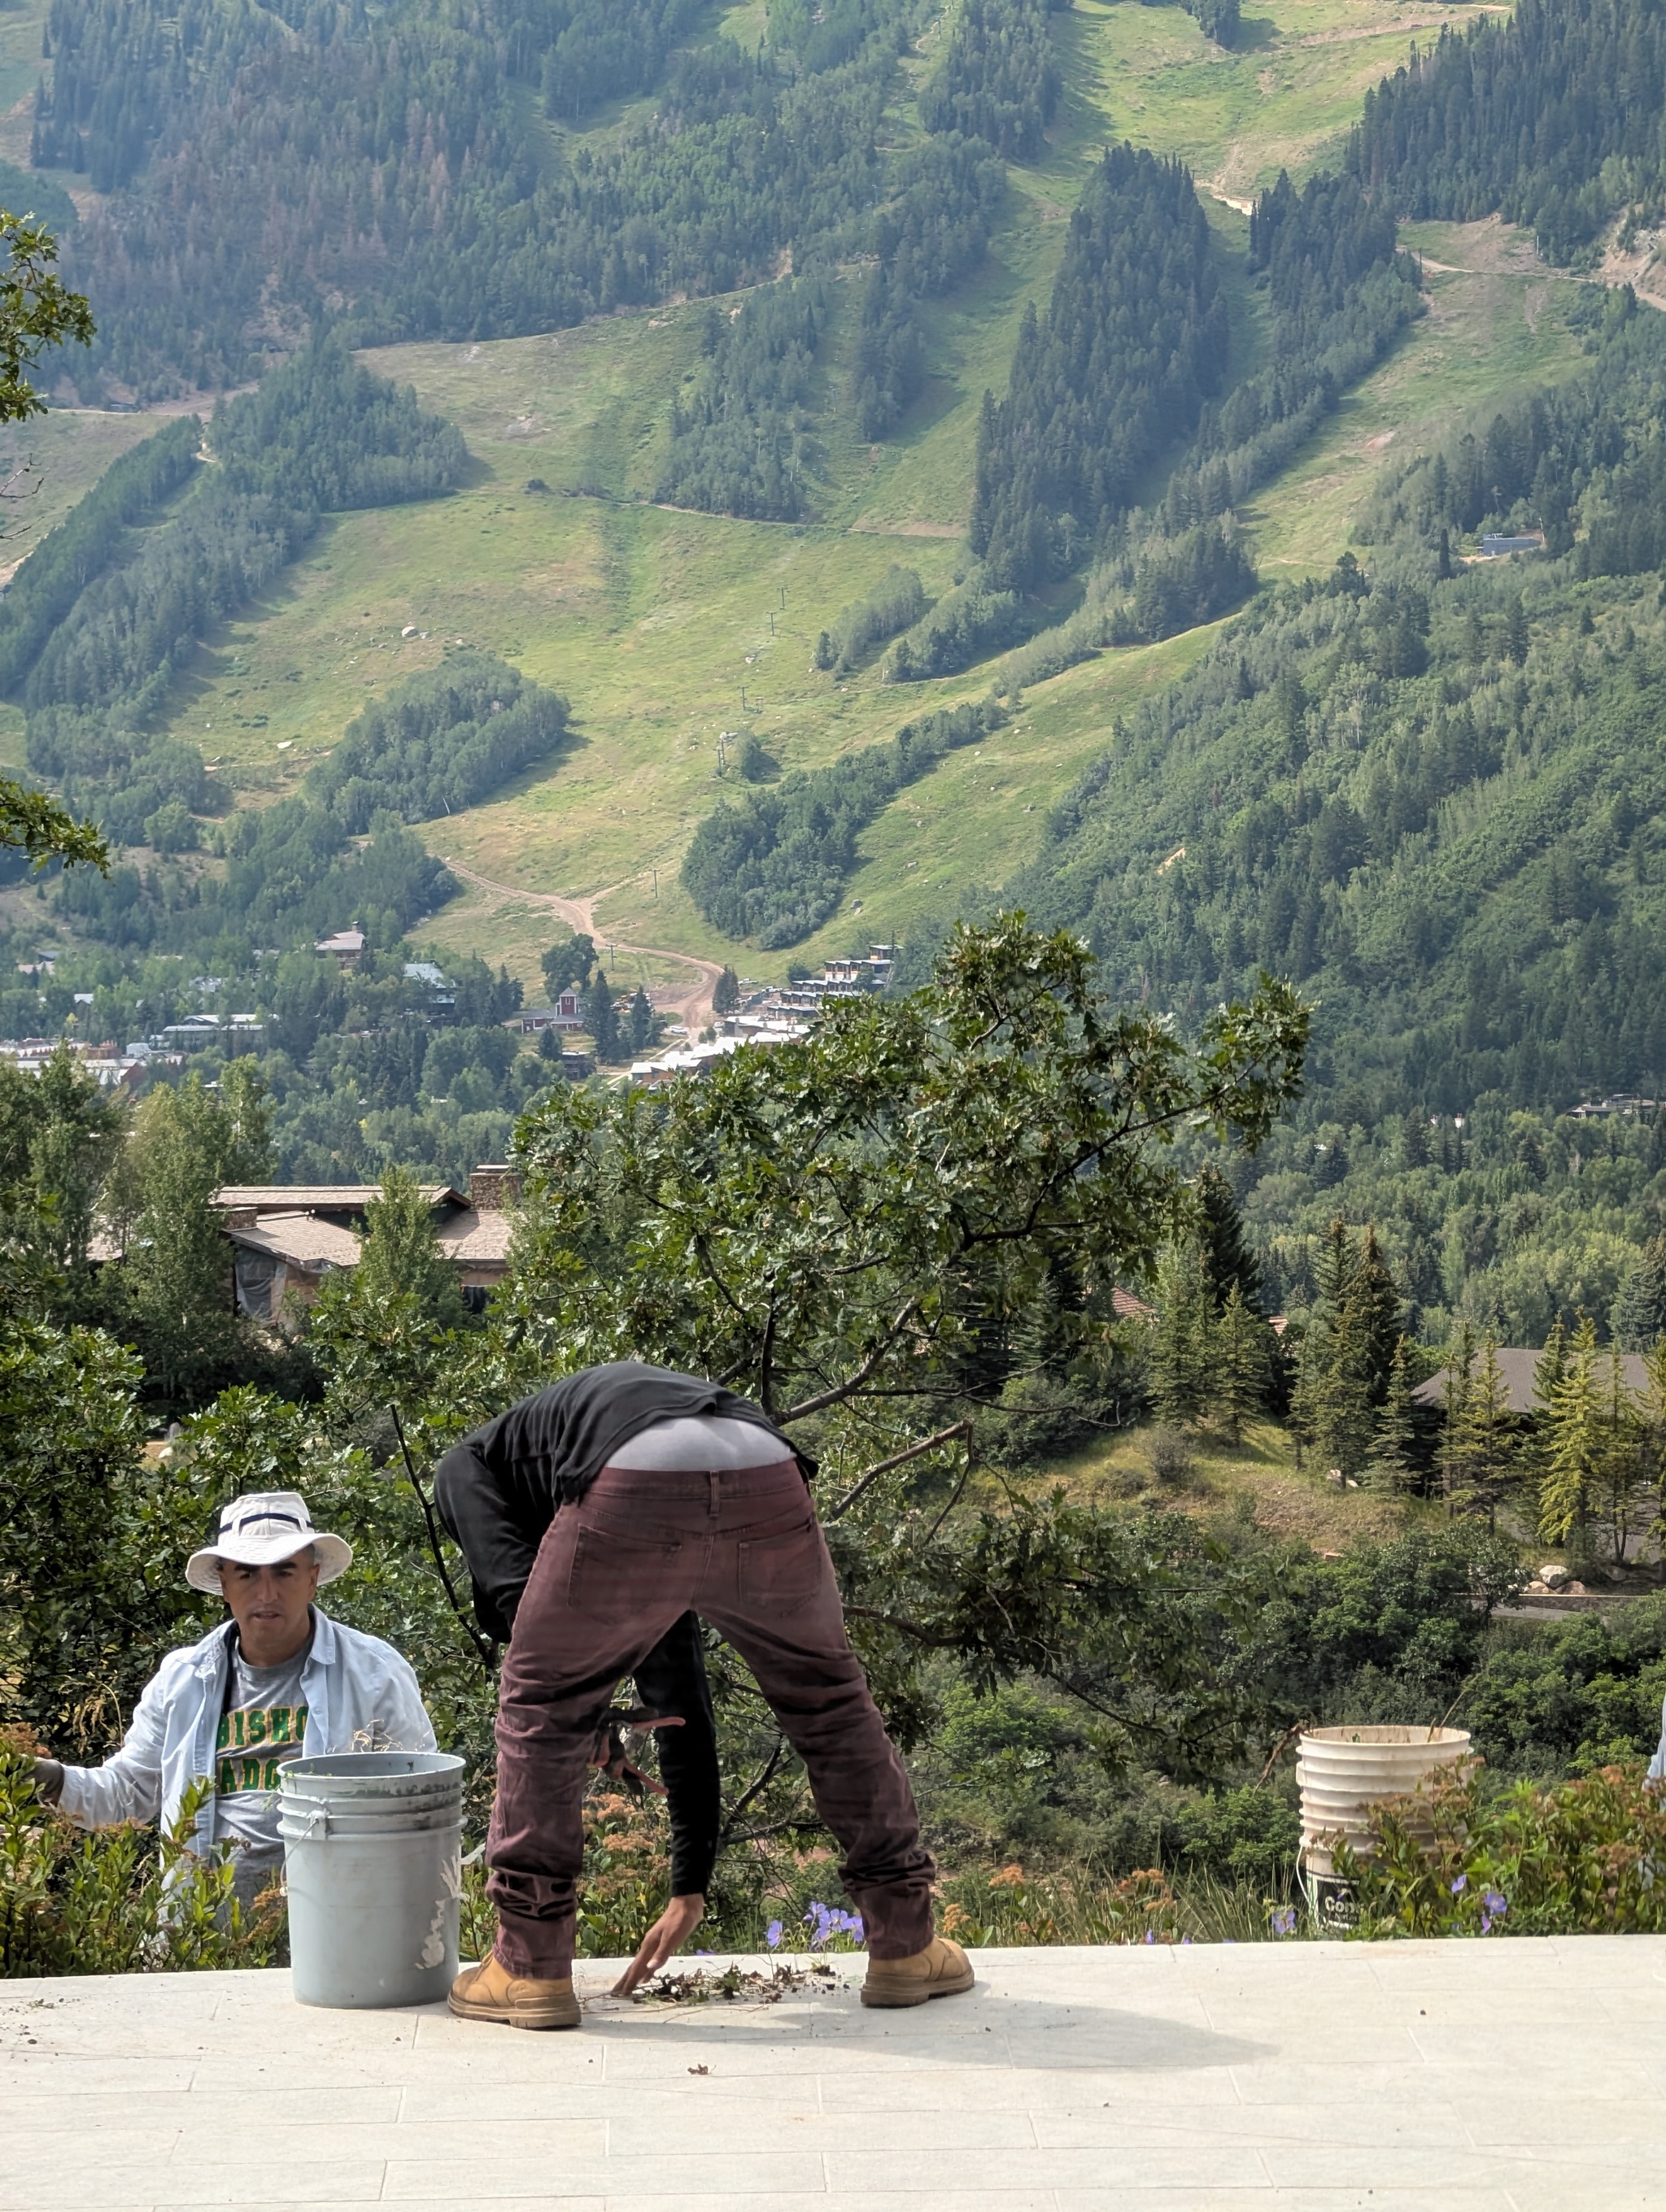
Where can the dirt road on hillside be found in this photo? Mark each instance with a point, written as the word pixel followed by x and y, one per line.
pixel 691 1004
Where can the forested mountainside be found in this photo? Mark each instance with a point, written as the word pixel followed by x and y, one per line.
pixel 1431 791
pixel 108 610
pixel 1553 116
pixel 855 171
pixel 238 146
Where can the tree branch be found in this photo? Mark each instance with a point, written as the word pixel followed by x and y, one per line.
pixel 754 1790
pixel 898 1459
pixel 849 1388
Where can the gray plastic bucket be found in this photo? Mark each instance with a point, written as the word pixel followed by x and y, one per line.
pixel 372 1864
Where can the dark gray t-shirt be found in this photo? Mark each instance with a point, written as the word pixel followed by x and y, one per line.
pixel 260 1730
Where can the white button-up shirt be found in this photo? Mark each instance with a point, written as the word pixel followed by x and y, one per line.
pixel 359 1694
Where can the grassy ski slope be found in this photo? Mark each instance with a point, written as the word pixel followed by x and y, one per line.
pixel 657 625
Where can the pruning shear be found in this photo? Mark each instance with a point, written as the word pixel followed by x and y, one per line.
pixel 611 1754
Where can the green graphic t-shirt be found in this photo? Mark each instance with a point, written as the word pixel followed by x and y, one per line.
pixel 260 1731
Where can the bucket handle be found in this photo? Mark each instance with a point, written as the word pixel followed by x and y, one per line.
pixel 315 1815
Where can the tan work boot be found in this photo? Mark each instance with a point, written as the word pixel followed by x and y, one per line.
pixel 490 1991
pixel 942 1969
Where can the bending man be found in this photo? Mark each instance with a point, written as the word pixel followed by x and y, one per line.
pixel 598 1518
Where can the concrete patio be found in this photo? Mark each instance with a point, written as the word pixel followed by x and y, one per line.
pixel 1514 2076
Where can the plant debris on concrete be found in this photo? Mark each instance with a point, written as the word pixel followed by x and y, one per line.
pixel 738 1982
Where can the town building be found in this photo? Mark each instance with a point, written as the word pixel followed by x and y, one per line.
pixel 109 1067
pixel 233 1033
pixel 286 1237
pixel 1517 1366
pixel 790 1008
pixel 564 1012
pixel 1623 1101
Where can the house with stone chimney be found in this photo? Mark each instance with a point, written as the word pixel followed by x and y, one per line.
pixel 286 1237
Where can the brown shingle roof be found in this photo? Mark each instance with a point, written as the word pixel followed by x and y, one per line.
pixel 320 1197
pixel 300 1238
pixel 476 1237
pixel 1515 1366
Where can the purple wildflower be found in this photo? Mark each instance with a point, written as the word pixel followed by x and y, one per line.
pixel 1283 1921
pixel 822 1921
pixel 772 1935
pixel 1495 1903
pixel 1459 1885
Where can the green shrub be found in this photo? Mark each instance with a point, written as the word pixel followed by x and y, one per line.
pixel 1577 1858
pixel 122 1901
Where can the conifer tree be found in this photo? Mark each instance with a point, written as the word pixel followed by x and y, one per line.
pixel 1622 1456
pixel 1239 1365
pixel 1649 1411
pixel 1414 1141
pixel 402 1254
pixel 1181 1347
pixel 1333 1398
pixel 639 1030
pixel 1639 1320
pixel 1375 1296
pixel 1459 1370
pixel 1575 1441
pixel 725 992
pixel 1393 1432
pixel 1482 1452
pixel 1227 1258
pixel 1547 1372
pixel 601 1018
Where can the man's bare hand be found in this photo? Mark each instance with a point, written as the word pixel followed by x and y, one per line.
pixel 662 1942
pixel 610 1753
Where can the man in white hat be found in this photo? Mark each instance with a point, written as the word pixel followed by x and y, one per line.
pixel 279 1681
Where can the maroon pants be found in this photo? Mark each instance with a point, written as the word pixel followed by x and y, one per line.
pixel 743 1549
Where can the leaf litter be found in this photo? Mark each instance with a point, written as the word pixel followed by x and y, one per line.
pixel 737 1985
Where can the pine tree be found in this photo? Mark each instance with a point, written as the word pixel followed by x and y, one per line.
pixel 601 1019
pixel 1332 1403
pixel 1574 1442
pixel 1414 1141
pixel 725 992
pixel 1482 1451
pixel 1551 1366
pixel 1376 1296
pixel 401 1253
pixel 1227 1258
pixel 1547 1372
pixel 1650 1409
pixel 1637 1322
pixel 639 1029
pixel 1239 1375
pixel 1621 1461
pixel 1459 1370
pixel 1393 1430
pixel 1180 1344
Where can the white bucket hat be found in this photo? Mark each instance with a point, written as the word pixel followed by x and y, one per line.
pixel 259 1530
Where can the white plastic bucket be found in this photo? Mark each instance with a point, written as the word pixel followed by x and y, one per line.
pixel 372 1864
pixel 1343 1772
